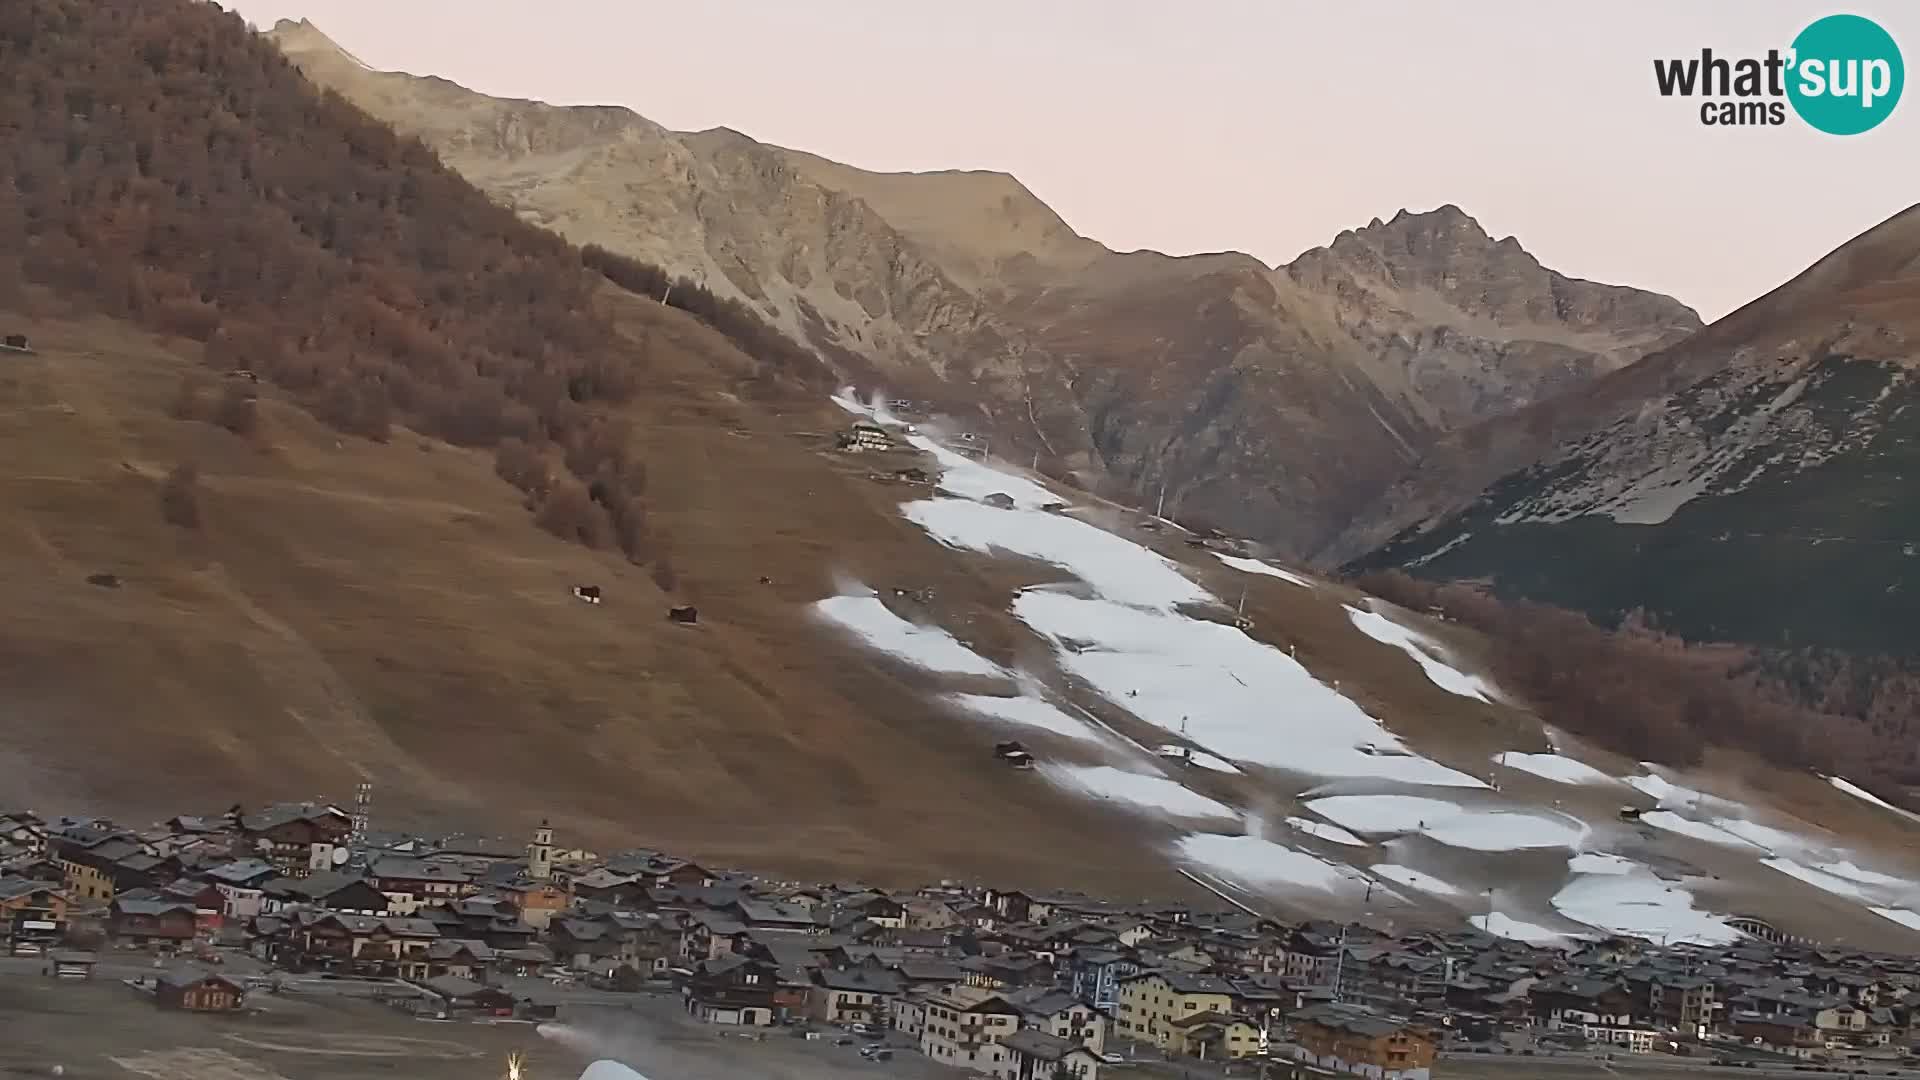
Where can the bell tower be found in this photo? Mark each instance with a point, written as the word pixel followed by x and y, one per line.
pixel 540 852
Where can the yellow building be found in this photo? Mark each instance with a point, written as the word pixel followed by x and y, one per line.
pixel 1151 1001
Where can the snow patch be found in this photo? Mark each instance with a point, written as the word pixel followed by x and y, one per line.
pixel 1599 862
pixel 1859 792
pixel 1255 566
pixel 1244 700
pixel 928 647
pixel 1118 569
pixel 1631 900
pixel 1424 650
pixel 1415 879
pixel 1698 830
pixel 1846 869
pixel 1555 767
pixel 1450 824
pixel 1030 712
pixel 1825 882
pixel 1903 916
pixel 1506 926
pixel 1140 790
pixel 1260 863
pixel 1324 831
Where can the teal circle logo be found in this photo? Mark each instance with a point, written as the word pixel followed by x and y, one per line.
pixel 1846 74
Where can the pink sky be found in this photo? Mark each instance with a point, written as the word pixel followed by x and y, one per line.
pixel 1264 126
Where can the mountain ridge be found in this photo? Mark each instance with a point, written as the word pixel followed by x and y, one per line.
pixel 963 290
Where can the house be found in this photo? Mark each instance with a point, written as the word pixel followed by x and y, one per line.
pixel 1060 1014
pixel 16 343
pixel 33 914
pixel 877 908
pixel 1036 1055
pixel 1792 1035
pixel 1353 1039
pixel 538 900
pixel 456 994
pixel 1096 975
pixel 151 921
pixel 240 884
pixel 866 437
pixel 90 856
pixel 298 838
pixel 72 964
pixel 609 886
pixel 328 889
pixel 853 995
pixel 1212 1036
pixel 773 915
pixel 386 947
pixel 412 883
pixel 198 991
pixel 964 1026
pixel 1010 971
pixel 732 990
pixel 461 958
pixel 1150 1001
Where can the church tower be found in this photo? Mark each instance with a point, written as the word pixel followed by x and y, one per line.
pixel 540 853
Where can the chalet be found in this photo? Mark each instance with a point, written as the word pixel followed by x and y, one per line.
pixel 1792 1035
pixel 964 1028
pixel 240 884
pixel 854 995
pixel 1036 1055
pixel 773 915
pixel 1060 1014
pixel 151 921
pixel 732 990
pixel 1214 1036
pixel 328 889
pixel 33 915
pixel 91 860
pixel 197 990
pixel 22 835
pixel 866 437
pixel 1011 971
pixel 389 947
pixel 410 883
pixel 877 908
pixel 461 958
pixel 609 886
pixel 1578 1002
pixel 16 343
pixel 298 838
pixel 1351 1039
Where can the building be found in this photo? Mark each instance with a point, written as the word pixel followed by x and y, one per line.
pixel 72 964
pixel 1062 1015
pixel 866 437
pixel 1352 1039
pixel 386 947
pixel 1212 1036
pixel 732 990
pixel 410 883
pixel 198 991
pixel 298 838
pixel 853 996
pixel 964 1026
pixel 33 914
pixel 1036 1055
pixel 1097 974
pixel 144 921
pixel 1151 1001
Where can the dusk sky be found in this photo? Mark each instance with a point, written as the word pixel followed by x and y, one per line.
pixel 1255 125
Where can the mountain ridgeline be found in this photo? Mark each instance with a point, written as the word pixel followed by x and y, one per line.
pixel 1275 402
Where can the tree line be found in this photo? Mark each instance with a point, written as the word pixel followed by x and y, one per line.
pixel 1653 697
pixel 168 167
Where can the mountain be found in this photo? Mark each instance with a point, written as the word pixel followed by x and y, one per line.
pixel 315 442
pixel 1752 484
pixel 1271 401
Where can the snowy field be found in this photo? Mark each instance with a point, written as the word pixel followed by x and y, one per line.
pixel 928 647
pixel 1563 770
pixel 1424 650
pixel 1255 566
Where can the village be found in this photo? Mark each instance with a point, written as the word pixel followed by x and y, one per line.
pixel 999 982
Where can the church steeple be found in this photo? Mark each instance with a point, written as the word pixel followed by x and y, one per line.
pixel 540 852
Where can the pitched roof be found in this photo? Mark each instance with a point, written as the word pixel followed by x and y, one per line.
pixel 1040 1044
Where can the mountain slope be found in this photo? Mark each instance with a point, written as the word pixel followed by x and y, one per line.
pixel 1226 382
pixel 1750 485
pixel 324 601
